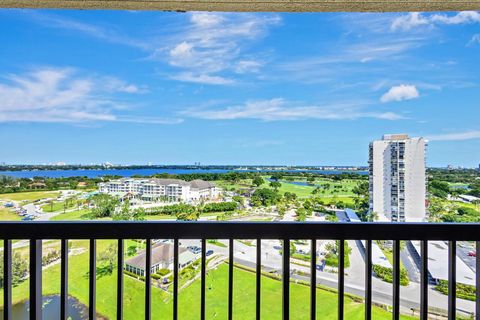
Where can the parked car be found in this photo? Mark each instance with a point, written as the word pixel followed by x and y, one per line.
pixel 472 254
pixel 195 249
pixel 209 252
pixel 27 218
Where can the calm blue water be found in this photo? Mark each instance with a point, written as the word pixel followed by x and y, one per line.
pixel 131 172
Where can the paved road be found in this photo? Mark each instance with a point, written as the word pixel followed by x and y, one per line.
pixel 463 249
pixel 354 275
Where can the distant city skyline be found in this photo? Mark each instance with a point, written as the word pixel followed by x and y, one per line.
pixel 132 87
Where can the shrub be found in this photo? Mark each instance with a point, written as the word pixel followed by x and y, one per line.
pixel 331 259
pixel 163 272
pixel 464 291
pixel 219 207
pixel 266 197
pixel 386 274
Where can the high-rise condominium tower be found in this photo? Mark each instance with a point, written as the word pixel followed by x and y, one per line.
pixel 397 178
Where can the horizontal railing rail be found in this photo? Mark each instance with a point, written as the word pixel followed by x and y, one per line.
pixel 284 231
pixel 239 230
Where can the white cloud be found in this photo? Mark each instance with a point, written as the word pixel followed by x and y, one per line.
pixel 400 93
pixel 206 19
pixel 113 84
pixel 64 95
pixel 475 40
pixel 464 17
pixel 280 109
pixel 202 78
pixel 415 19
pixel 247 66
pixel 212 45
pixel 409 21
pixel 458 136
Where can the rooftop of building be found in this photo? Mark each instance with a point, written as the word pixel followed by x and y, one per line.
pixel 396 136
pixel 194 184
pixel 161 252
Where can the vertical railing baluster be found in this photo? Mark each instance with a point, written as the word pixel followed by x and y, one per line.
pixel 92 294
pixel 396 279
pixel 120 263
pixel 477 279
pixel 148 279
pixel 64 280
pixel 452 279
pixel 258 276
pixel 35 279
pixel 203 281
pixel 313 279
pixel 286 280
pixel 7 279
pixel 368 279
pixel 341 279
pixel 424 280
pixel 230 279
pixel 175 279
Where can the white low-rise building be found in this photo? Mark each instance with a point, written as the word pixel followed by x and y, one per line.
pixel 166 190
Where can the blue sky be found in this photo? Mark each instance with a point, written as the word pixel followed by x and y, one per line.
pixel 222 88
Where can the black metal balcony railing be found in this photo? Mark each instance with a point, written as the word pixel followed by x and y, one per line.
pixel 36 231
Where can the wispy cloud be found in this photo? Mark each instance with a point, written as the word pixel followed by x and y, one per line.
pixel 109 34
pixel 475 40
pixel 65 95
pixel 202 78
pixel 400 93
pixel 210 49
pixel 415 19
pixel 361 57
pixel 457 136
pixel 280 109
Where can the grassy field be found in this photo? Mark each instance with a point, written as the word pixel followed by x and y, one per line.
pixel 342 189
pixel 189 300
pixel 29 196
pixel 229 185
pixel 8 215
pixel 73 215
pixel 58 206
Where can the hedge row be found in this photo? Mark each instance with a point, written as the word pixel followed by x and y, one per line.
pixel 464 291
pixel 386 274
pixel 178 208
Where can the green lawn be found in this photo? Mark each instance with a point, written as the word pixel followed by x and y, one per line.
pixel 73 215
pixel 29 196
pixel 58 206
pixel 346 200
pixel 8 215
pixel 229 185
pixel 300 191
pixel 189 298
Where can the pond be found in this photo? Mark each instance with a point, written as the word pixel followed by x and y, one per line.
pixel 51 309
pixel 297 183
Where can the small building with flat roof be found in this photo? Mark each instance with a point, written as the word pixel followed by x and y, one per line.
pixel 162 258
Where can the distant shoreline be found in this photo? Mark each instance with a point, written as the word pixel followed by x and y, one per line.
pixel 152 170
